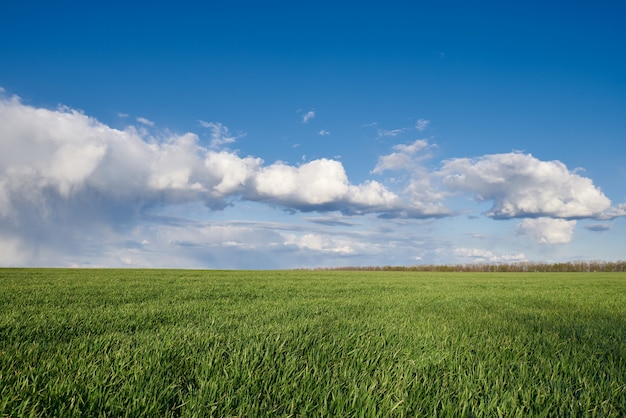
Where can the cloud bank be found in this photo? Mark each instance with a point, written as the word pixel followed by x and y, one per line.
pixel 69 183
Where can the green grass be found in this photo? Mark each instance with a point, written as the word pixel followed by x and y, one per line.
pixel 311 343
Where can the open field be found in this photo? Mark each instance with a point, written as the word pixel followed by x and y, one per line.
pixel 311 343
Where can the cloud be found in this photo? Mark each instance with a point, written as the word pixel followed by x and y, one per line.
pixel 331 221
pixel 424 198
pixel 404 157
pixel 319 243
pixel 598 227
pixel 66 177
pixel 613 212
pixel 319 185
pixel 308 116
pixel 145 121
pixel 220 134
pixel 548 230
pixel 324 132
pixel 389 133
pixel 75 189
pixel 479 255
pixel 422 124
pixel 522 186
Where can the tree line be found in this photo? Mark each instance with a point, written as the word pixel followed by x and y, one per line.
pixel 570 266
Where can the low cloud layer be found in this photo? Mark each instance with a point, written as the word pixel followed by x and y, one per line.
pixel 69 182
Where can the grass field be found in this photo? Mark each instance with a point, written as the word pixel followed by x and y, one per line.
pixel 311 343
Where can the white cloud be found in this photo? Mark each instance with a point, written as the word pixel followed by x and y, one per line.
pixel 614 212
pixel 522 186
pixel 548 230
pixel 145 121
pixel 389 133
pixel 404 157
pixel 77 190
pixel 320 185
pixel 423 197
pixel 324 132
pixel 308 116
pixel 220 134
pixel 480 255
pixel 319 243
pixel 422 124
pixel 66 177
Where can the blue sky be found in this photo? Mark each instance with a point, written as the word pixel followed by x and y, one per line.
pixel 288 134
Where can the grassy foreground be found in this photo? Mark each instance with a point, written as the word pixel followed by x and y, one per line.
pixel 311 343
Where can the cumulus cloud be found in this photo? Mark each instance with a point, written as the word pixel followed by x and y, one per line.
pixel 614 212
pixel 308 116
pixel 320 185
pixel 69 183
pixel 424 198
pixel 548 230
pixel 61 154
pixel 520 186
pixel 324 132
pixel 64 175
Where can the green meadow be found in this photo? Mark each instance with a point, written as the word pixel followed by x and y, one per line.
pixel 311 343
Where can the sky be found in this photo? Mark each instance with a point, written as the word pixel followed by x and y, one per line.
pixel 276 135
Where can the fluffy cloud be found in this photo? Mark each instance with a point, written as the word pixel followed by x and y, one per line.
pixel 320 185
pixel 548 230
pixel 61 154
pixel 614 212
pixel 64 175
pixel 70 184
pixel 522 186
pixel 424 199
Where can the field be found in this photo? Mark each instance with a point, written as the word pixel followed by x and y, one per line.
pixel 311 343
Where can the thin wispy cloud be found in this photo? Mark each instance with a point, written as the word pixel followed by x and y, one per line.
pixel 421 124
pixel 389 133
pixel 145 121
pixel 220 134
pixel 598 227
pixel 308 116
